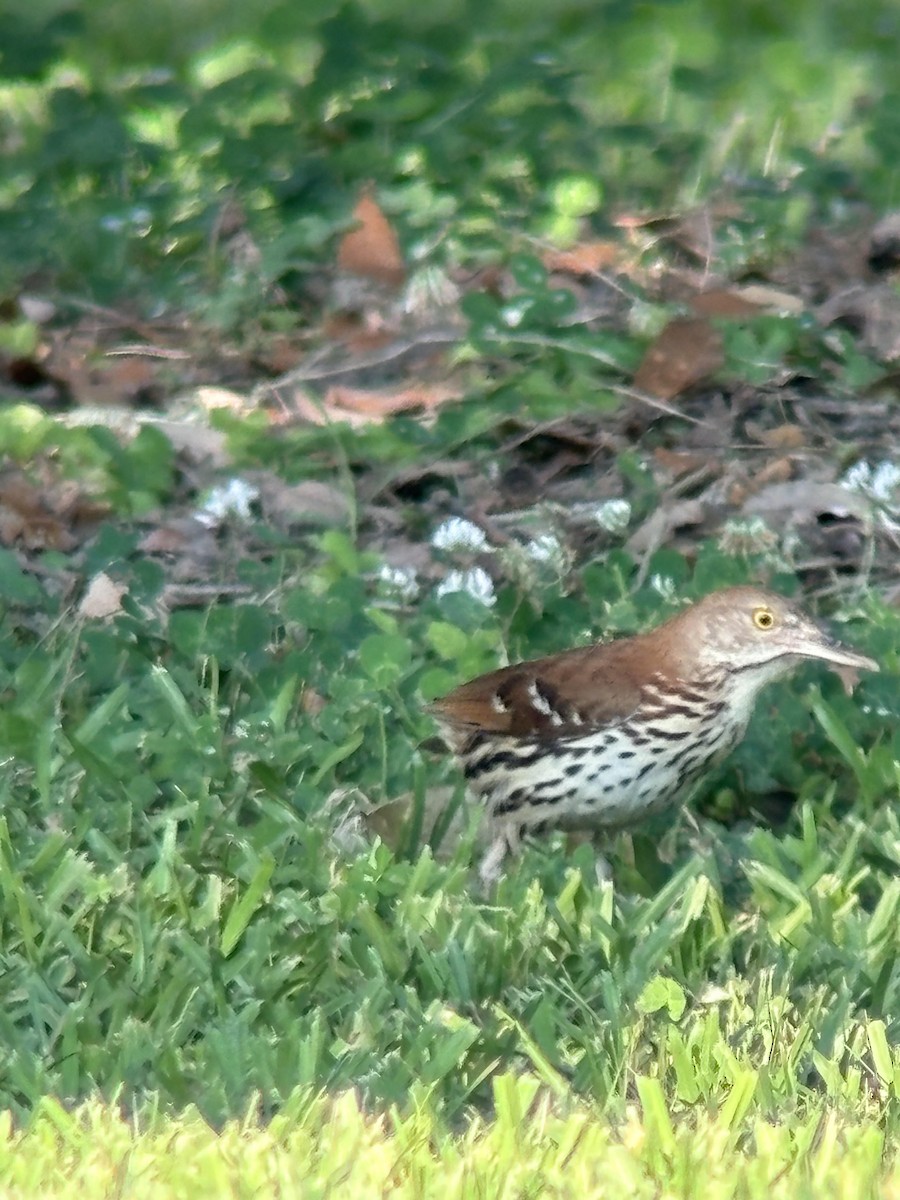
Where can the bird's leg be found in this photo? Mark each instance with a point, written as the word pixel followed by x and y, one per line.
pixel 602 866
pixel 598 843
pixel 506 840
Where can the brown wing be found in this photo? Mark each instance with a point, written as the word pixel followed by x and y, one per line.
pixel 562 696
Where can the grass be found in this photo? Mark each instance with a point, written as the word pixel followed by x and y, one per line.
pixel 535 1145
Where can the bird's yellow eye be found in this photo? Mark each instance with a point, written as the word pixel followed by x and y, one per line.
pixel 763 618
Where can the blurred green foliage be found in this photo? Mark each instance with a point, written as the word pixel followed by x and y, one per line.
pixel 124 128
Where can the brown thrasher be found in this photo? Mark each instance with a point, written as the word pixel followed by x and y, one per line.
pixel 598 737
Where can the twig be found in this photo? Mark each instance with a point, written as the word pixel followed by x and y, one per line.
pixel 141 351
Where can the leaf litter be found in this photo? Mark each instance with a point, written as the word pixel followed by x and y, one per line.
pixel 716 450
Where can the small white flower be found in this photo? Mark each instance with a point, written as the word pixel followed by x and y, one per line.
pixel 880 482
pixel 514 314
pixel 233 499
pixel 475 581
pixel 429 289
pixel 750 536
pixel 399 582
pixel 663 585
pixel 456 533
pixel 858 476
pixel 546 547
pixel 613 515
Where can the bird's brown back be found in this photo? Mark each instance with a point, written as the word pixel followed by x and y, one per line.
pixel 561 694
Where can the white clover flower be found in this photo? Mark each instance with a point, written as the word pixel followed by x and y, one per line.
pixel 750 536
pixel 399 582
pixel 546 548
pixel 880 482
pixel 514 313
pixel 233 499
pixel 456 533
pixel 430 288
pixel 474 580
pixel 613 515
pixel 663 585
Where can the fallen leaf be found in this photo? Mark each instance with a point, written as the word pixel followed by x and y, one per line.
pixel 311 701
pixel 167 539
pixel 311 502
pixel 779 470
pixel 27 516
pixel 723 302
pixel 201 443
pixel 353 332
pixel 186 538
pixel 747 301
pixel 679 462
pixel 372 248
pixel 764 296
pixel 102 599
pixel 736 492
pixel 659 527
pixel 211 398
pixel 688 350
pixel 875 309
pixel 391 822
pixel 804 500
pixel 586 259
pixel 374 405
pixel 782 437
pixel 37 309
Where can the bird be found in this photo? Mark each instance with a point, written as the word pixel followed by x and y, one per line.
pixel 597 738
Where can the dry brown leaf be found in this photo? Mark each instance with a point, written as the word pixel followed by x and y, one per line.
pixel 316 412
pixel 737 491
pixel 211 398
pixel 185 538
pixel 585 259
pixel 746 301
pixel 102 599
pixel 116 379
pixel 355 333
pixel 200 443
pixel 37 309
pixel 876 309
pixel 723 302
pixel 806 500
pixel 782 437
pixel 391 821
pixel 772 298
pixel 659 527
pixel 167 539
pixel 26 516
pixel 679 462
pixel 779 470
pixel 688 350
pixel 310 502
pixel 342 403
pixel 311 701
pixel 383 403
pixel 372 248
